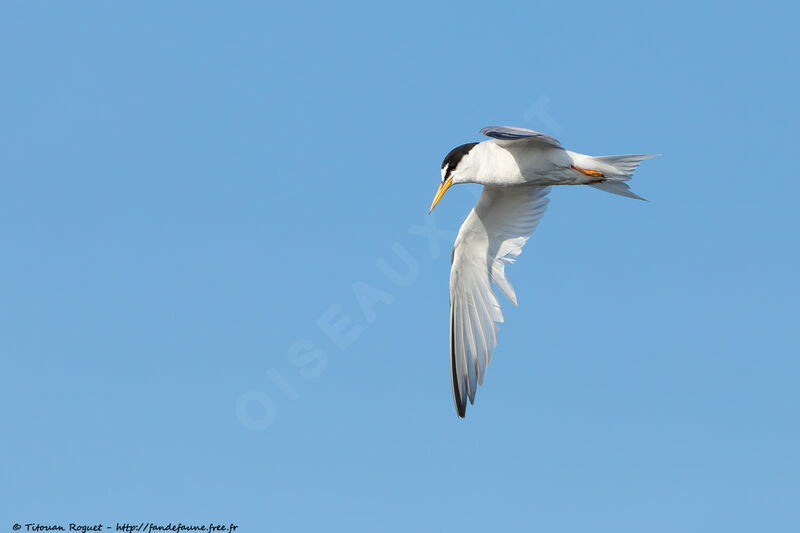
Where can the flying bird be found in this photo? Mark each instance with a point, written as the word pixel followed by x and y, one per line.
pixel 516 168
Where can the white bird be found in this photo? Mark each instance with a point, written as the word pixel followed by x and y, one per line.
pixel 516 168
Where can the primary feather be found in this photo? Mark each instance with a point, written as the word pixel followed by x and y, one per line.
pixel 492 235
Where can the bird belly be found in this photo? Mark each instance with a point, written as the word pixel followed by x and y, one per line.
pixel 544 165
pixel 511 164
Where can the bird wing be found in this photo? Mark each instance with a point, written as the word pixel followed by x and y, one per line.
pixel 492 235
pixel 509 133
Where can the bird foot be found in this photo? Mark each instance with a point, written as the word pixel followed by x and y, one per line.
pixel 591 173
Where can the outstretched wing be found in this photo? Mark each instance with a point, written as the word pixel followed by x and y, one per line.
pixel 492 235
pixel 509 133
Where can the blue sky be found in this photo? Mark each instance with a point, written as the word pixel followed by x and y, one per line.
pixel 192 191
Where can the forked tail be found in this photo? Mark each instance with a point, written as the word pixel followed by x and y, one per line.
pixel 615 169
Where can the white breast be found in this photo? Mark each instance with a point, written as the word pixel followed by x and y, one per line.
pixel 502 164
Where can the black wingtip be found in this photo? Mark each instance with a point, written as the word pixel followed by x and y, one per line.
pixel 458 399
pixel 461 405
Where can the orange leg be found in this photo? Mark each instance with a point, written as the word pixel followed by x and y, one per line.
pixel 592 173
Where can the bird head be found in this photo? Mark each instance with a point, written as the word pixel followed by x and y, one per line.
pixel 453 170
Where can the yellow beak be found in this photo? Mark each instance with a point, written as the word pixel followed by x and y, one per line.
pixel 439 193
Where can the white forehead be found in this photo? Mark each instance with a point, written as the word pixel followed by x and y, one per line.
pixel 444 170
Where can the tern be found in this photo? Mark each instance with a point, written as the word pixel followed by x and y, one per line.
pixel 516 167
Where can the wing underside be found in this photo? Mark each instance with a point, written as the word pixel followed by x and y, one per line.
pixel 492 235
